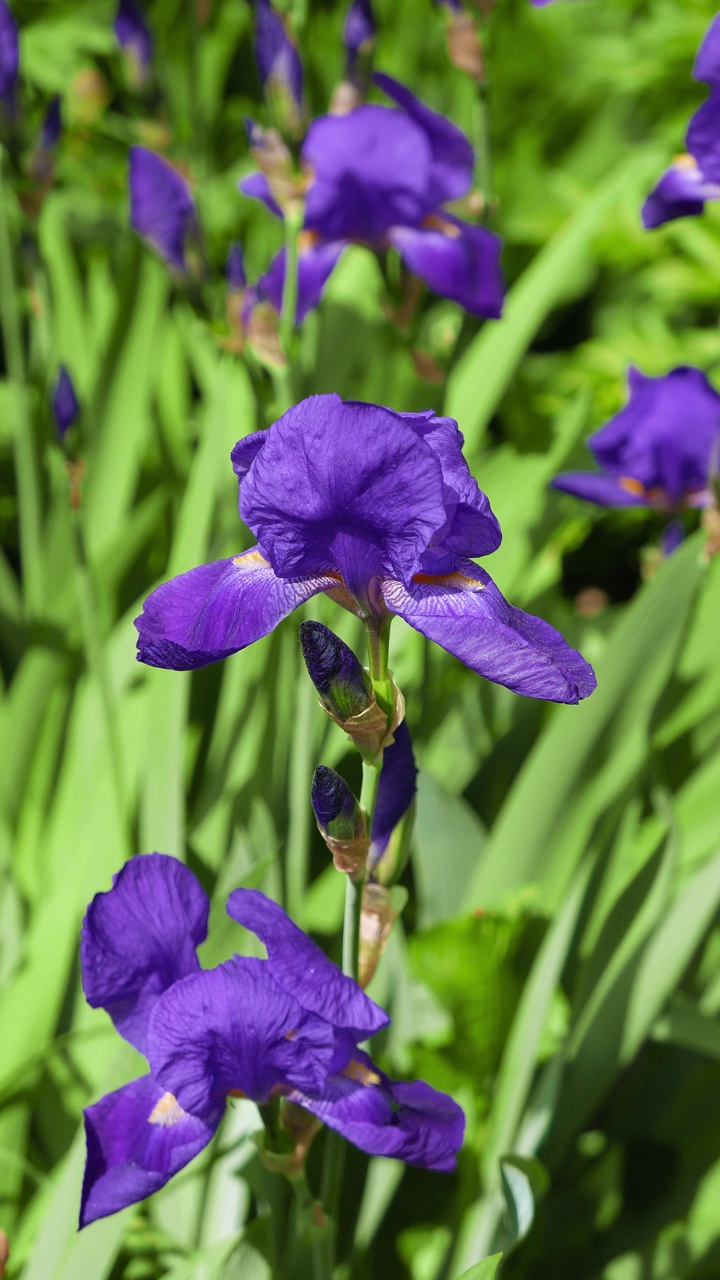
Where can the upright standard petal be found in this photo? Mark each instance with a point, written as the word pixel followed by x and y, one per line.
pixel 409 1122
pixel 343 485
pixel 452 154
pixel 137 1138
pixel 303 970
pixel 161 206
pixel 315 264
pixel 9 56
pixel 703 137
pixel 707 63
pixel 139 938
pixel 372 168
pixel 456 260
pixel 210 612
pixel 233 1029
pixel 396 792
pixel 466 614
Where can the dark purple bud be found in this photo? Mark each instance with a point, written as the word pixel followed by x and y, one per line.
pixel 161 206
pixel 277 57
pixel 336 810
pixel 235 269
pixel 344 687
pixel 52 125
pixel 132 33
pixel 359 27
pixel 65 405
pixel 9 55
pixel 395 796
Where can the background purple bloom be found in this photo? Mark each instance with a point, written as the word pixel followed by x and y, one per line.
pixel 286 1025
pixel 660 451
pixel 381 176
pixel 383 504
pixel 9 56
pixel 693 178
pixel 161 206
pixel 132 32
pixel 277 57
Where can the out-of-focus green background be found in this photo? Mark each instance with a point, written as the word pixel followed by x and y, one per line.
pixel 557 967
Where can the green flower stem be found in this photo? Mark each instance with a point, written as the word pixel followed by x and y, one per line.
pixel 28 489
pixel 300 776
pixel 378 636
pixel 293 223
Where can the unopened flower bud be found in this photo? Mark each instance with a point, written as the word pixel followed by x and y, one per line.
pixel 279 65
pixel 235 269
pixel 65 405
pixel 343 686
pixel 340 820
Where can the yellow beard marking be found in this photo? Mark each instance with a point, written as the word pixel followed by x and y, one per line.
pixel 459 580
pixel 291 1034
pixel 435 223
pixel 684 161
pixel 166 1112
pixel 358 1071
pixel 630 485
pixel 248 559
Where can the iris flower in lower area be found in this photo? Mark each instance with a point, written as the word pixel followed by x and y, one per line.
pixel 659 451
pixel 694 177
pixel 379 510
pixel 287 1026
pixel 382 176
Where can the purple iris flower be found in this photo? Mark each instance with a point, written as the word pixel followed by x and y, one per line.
pixel 380 510
pixel 132 33
pixel 659 451
pixel 277 57
pixel 287 1026
pixel 161 206
pixel 382 176
pixel 9 56
pixel 695 177
pixel 65 404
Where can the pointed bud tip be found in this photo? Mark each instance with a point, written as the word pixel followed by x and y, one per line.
pixel 333 802
pixel 335 671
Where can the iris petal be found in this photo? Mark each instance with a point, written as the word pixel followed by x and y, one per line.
pixel 130 1155
pixel 466 614
pixel 210 612
pixel 303 970
pixel 139 938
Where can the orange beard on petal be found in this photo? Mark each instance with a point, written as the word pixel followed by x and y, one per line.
pixel 458 580
pixel 359 1072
